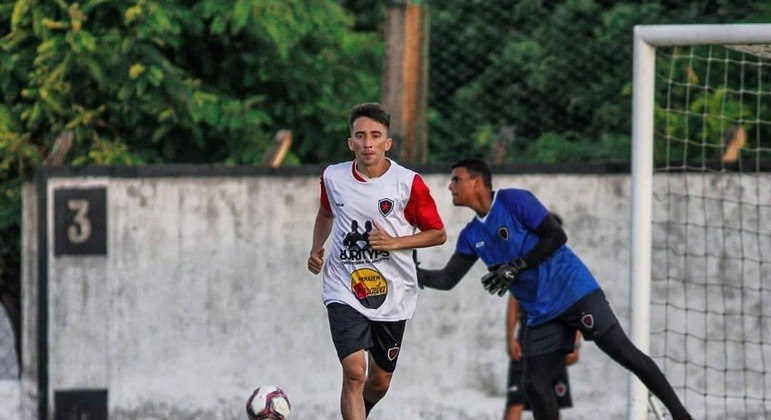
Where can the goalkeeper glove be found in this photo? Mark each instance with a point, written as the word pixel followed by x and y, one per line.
pixel 497 281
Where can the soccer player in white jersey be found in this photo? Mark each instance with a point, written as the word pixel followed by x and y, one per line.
pixel 369 280
pixel 524 247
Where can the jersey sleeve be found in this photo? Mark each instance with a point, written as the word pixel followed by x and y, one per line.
pixel 464 245
pixel 526 207
pixel 324 199
pixel 421 209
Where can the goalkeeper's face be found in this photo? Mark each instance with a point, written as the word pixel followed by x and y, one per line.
pixel 463 187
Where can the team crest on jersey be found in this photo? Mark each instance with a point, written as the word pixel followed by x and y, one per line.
pixel 393 353
pixel 503 233
pixel 369 287
pixel 385 205
pixel 587 320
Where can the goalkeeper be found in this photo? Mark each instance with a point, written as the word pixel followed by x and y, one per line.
pixel 524 248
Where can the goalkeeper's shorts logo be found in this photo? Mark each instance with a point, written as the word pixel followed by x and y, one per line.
pixel 588 321
pixel 560 389
pixel 369 287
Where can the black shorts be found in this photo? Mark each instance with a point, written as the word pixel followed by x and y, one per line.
pixel 515 394
pixel 591 315
pixel 352 331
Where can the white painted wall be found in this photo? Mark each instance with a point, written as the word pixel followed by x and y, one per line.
pixel 205 295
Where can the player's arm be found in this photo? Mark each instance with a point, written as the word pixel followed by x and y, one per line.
pixel 551 236
pixel 512 316
pixel 446 278
pixel 321 230
pixel 380 239
pixel 322 227
pixel 420 212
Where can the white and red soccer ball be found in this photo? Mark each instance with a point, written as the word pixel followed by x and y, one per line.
pixel 268 402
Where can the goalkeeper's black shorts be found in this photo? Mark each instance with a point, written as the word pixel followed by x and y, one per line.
pixel 591 315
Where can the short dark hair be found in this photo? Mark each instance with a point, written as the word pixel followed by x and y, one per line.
pixel 476 167
pixel 371 110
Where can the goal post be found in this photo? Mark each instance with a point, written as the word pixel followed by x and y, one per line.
pixel 647 39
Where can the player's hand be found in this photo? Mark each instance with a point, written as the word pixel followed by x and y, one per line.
pixel 380 240
pixel 573 356
pixel 515 349
pixel 497 281
pixel 316 261
pixel 490 282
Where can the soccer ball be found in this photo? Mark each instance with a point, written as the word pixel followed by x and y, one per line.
pixel 268 402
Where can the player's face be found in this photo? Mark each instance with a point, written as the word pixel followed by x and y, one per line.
pixel 369 142
pixel 462 187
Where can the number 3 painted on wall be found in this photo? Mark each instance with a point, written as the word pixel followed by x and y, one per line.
pixel 80 221
pixel 80 231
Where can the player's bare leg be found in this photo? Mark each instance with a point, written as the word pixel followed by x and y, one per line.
pixel 377 384
pixel 354 377
pixel 514 412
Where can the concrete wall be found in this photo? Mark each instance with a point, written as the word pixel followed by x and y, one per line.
pixel 204 295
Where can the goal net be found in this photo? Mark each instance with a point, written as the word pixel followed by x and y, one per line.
pixel 701 238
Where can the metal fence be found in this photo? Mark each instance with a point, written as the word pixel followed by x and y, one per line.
pixel 511 77
pixel 9 366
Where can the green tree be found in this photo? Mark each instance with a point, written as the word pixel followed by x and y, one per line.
pixel 160 81
pixel 555 73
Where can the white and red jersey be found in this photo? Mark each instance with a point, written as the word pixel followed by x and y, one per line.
pixel 382 285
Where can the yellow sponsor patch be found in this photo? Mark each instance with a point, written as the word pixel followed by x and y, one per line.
pixel 369 286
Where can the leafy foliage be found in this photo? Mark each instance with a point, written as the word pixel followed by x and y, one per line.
pixel 173 81
pixel 204 81
pixel 555 75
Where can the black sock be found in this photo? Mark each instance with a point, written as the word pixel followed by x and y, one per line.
pixel 368 406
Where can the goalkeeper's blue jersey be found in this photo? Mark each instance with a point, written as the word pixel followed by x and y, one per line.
pixel 506 233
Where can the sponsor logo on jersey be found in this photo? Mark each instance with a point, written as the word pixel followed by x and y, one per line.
pixel 339 204
pixel 385 205
pixel 587 320
pixel 479 244
pixel 393 353
pixel 356 245
pixel 357 238
pixel 362 255
pixel 369 287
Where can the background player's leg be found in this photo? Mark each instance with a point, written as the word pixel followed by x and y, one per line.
pixel 617 345
pixel 354 375
pixel 540 373
pixel 515 391
pixel 514 412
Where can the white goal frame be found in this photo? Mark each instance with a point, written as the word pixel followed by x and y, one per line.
pixel 646 39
